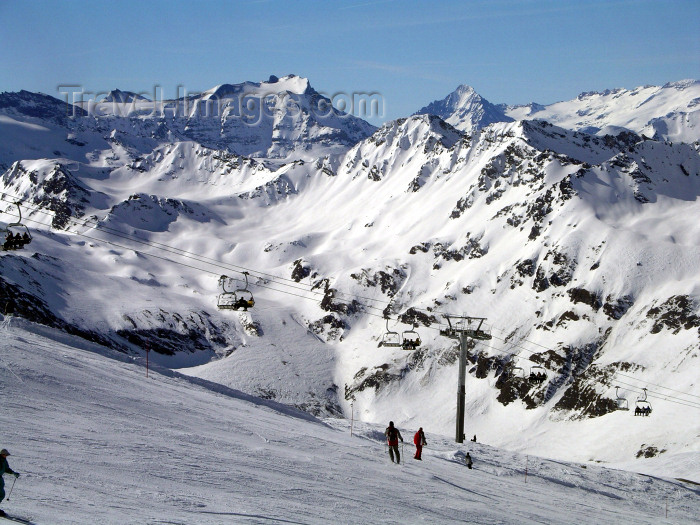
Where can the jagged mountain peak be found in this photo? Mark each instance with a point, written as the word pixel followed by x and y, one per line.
pixel 124 97
pixel 466 110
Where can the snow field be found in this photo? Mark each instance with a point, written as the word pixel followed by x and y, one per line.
pixel 97 442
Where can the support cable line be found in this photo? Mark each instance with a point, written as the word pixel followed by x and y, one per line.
pixel 148 254
pixel 91 223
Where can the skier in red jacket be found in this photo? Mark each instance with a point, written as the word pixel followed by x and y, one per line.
pixel 419 441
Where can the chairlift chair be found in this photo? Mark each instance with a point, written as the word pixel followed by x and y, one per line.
pixel 390 338
pixel 643 407
pixel 411 339
pixel 621 401
pixel 244 297
pixel 241 298
pixel 518 371
pixel 16 235
pixel 537 374
pixel 226 299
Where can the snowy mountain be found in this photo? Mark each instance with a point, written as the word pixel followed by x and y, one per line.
pixel 577 248
pixel 466 110
pixel 281 118
pixel 669 112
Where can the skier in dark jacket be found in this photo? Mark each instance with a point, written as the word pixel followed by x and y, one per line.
pixel 468 460
pixel 419 441
pixel 4 468
pixel 392 438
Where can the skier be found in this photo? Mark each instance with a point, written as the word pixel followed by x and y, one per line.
pixel 4 467
pixel 392 438
pixel 419 441
pixel 468 459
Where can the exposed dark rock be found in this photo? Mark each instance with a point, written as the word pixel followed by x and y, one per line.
pixel 471 249
pixel 378 378
pixel 616 308
pixel 676 313
pixel 329 302
pixel 649 451
pixel 169 332
pixel 581 295
pixel 300 270
pixel 330 326
pixel 389 281
pixel 423 247
pixel 581 396
pixel 523 270
pixel 567 316
pixel 415 317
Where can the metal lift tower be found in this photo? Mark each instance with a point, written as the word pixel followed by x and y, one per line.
pixel 464 327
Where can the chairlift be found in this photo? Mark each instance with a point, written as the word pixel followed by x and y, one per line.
pixel 16 235
pixel 411 339
pixel 518 371
pixel 537 374
pixel 240 299
pixel 621 401
pixel 390 338
pixel 643 407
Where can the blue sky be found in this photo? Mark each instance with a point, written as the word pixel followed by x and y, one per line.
pixel 410 52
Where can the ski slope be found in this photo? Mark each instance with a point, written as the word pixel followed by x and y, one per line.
pixel 96 441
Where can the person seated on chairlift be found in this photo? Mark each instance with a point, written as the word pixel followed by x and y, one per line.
pixel 9 241
pixel 241 303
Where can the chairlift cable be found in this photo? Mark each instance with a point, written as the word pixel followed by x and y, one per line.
pixel 184 253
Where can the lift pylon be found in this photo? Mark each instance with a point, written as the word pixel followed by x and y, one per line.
pixel 463 328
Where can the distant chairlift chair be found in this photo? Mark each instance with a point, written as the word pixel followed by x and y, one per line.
pixel 538 374
pixel 16 235
pixel 622 403
pixel 240 299
pixel 411 339
pixel 518 372
pixel 390 338
pixel 643 407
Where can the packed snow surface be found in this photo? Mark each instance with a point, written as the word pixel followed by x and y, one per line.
pixel 96 440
